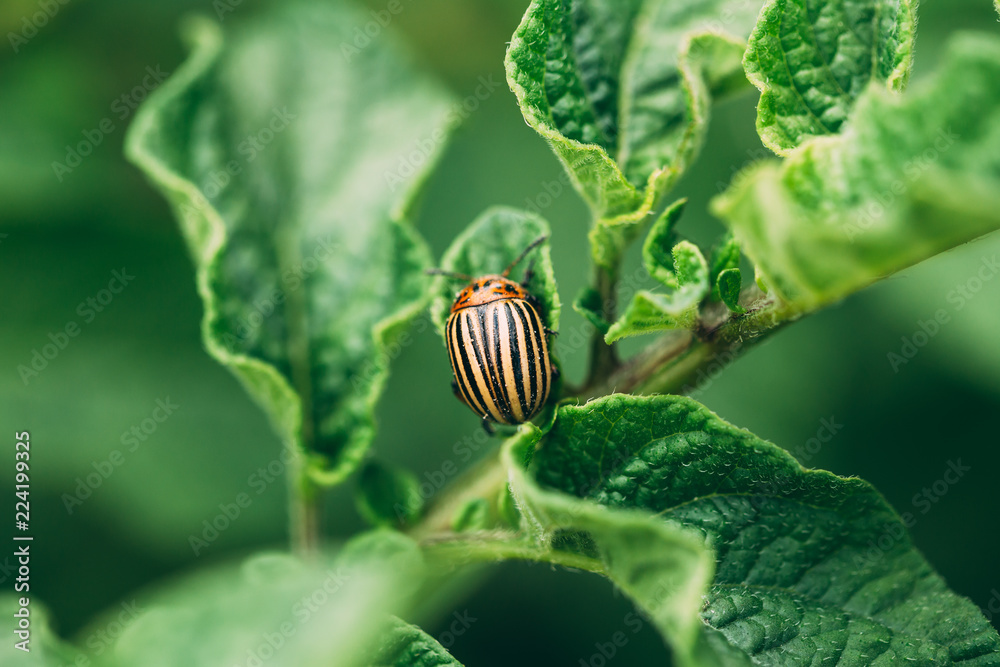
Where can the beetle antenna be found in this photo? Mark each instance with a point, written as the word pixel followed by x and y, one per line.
pixel 534 244
pixel 449 274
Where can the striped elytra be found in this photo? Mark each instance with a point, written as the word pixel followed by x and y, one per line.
pixel 499 351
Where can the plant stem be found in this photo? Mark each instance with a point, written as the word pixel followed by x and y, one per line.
pixel 304 503
pixel 495 546
pixel 485 480
pixel 603 357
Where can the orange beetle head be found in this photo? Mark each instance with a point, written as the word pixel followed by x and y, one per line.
pixel 486 290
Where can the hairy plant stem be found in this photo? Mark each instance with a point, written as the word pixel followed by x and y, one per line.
pixel 501 545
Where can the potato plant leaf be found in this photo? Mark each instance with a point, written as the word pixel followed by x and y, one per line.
pixel 387 495
pixel 621 91
pixel 910 175
pixel 31 641
pixel 812 60
pixel 809 567
pixel 653 311
pixel 663 568
pixel 728 286
pixel 657 253
pixel 291 167
pixel 725 255
pixel 488 246
pixel 278 610
pixel 405 645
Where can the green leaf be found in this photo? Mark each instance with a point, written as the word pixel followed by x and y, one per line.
pixel 664 569
pixel 810 567
pixel 405 645
pixel 621 91
pixel 590 304
pixel 488 246
pixel 725 255
pixel 729 284
pixel 41 646
pixel 650 312
pixel 909 176
pixel 657 255
pixel 473 515
pixel 388 496
pixel 278 609
pixel 812 60
pixel 285 164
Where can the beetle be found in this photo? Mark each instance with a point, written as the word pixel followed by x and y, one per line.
pixel 499 346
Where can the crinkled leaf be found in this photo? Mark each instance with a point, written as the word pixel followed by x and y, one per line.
pixel 488 246
pixel 810 567
pixel 725 255
pixel 405 645
pixel 728 286
pixel 657 254
pixel 387 495
pixel 288 168
pixel 812 60
pixel 909 176
pixel 41 646
pixel 277 607
pixel 621 90
pixel 663 568
pixel 650 311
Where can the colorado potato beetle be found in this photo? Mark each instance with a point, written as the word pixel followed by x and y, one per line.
pixel 499 347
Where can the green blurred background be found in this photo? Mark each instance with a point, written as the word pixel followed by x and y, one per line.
pixel 61 240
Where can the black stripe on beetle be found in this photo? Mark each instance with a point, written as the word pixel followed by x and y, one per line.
pixel 499 348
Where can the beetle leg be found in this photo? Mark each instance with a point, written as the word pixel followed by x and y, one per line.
pixel 454 390
pixel 555 372
pixel 529 273
pixel 550 332
pixel 488 426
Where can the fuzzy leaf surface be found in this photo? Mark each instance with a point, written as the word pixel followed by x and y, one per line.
pixel 910 175
pixel 812 60
pixel 809 566
pixel 284 162
pixel 621 91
